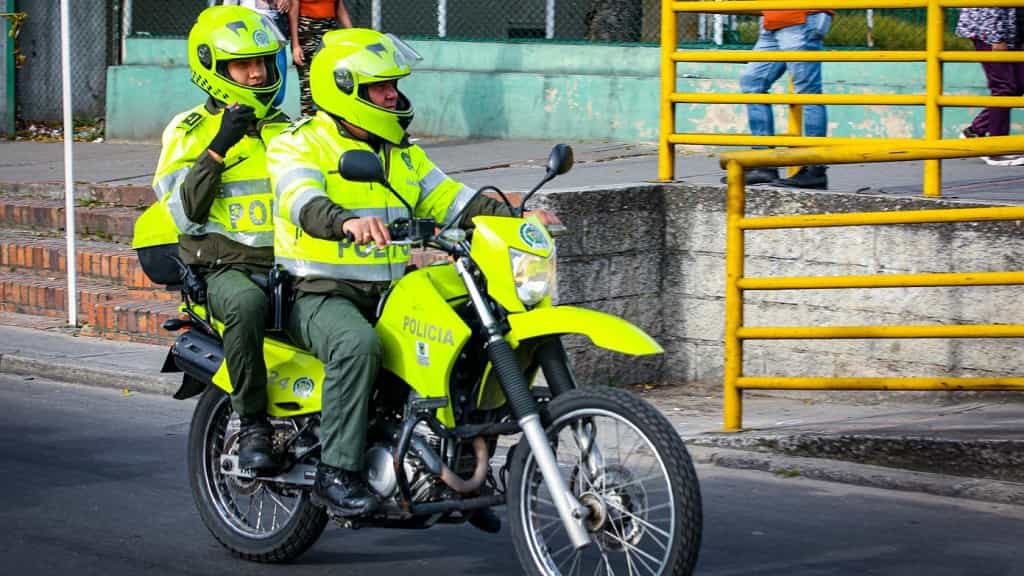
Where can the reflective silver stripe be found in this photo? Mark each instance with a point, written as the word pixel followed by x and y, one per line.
pixel 170 182
pixel 260 239
pixel 304 197
pixel 357 272
pixel 292 176
pixel 432 180
pixel 244 188
pixel 181 220
pixel 388 215
pixel 461 199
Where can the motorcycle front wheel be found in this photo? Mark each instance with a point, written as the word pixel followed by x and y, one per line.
pixel 254 519
pixel 626 464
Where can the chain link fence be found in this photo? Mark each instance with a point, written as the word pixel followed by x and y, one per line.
pixel 568 20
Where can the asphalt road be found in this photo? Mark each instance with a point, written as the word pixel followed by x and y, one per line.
pixel 94 482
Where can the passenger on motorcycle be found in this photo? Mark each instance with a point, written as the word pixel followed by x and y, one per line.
pixel 212 180
pixel 332 234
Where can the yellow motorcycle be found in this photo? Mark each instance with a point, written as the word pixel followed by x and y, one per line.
pixel 596 480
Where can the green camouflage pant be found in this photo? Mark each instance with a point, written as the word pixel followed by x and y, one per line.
pixel 333 329
pixel 242 306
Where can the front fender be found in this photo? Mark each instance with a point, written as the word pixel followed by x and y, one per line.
pixel 604 330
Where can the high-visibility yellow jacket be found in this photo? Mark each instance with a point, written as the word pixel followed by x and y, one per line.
pixel 303 164
pixel 219 213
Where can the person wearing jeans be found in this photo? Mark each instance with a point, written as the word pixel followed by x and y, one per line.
pixel 994 29
pixel 788 30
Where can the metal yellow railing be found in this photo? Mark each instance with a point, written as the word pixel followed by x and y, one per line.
pixel 737 223
pixel 932 99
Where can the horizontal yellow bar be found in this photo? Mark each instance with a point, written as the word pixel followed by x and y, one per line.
pixel 756 6
pixel 879 383
pixel 983 101
pixel 832 99
pixel 994 213
pixel 883 281
pixel 858 332
pixel 996 56
pixel 855 151
pixel 813 141
pixel 798 56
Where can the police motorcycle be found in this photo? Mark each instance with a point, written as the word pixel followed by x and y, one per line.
pixel 596 480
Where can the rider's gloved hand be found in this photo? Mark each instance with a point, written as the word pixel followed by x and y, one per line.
pixel 366 229
pixel 236 120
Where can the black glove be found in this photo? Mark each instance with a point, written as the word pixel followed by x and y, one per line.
pixel 235 122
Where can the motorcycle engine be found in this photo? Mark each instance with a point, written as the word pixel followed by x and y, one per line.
pixel 423 484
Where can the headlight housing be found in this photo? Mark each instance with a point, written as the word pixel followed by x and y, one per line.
pixel 534 275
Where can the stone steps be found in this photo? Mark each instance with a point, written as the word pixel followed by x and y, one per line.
pixel 21 249
pixel 111 223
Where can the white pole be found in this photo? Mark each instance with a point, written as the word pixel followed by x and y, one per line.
pixel 375 15
pixel 69 180
pixel 126 27
pixel 442 18
pixel 549 20
pixel 719 31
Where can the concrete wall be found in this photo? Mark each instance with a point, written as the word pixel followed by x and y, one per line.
pixel 656 256
pixel 39 80
pixel 552 91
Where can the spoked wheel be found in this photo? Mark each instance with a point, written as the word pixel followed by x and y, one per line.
pixel 626 464
pixel 254 519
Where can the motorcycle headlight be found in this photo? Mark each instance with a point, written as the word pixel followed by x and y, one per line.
pixel 534 275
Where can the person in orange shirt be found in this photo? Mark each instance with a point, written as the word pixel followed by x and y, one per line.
pixel 310 20
pixel 788 30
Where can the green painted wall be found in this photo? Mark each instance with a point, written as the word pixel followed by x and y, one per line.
pixel 548 91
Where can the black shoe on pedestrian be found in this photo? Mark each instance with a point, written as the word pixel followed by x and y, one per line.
pixel 486 519
pixel 970 133
pixel 256 445
pixel 757 176
pixel 808 177
pixel 342 492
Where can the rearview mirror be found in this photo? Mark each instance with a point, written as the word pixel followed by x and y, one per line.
pixel 560 160
pixel 361 166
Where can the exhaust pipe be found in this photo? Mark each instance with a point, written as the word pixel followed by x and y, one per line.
pixel 197 354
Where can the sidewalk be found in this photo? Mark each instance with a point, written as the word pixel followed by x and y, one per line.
pixel 971 448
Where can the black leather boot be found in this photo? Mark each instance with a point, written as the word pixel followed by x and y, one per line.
pixel 342 491
pixel 486 519
pixel 757 176
pixel 808 177
pixel 256 445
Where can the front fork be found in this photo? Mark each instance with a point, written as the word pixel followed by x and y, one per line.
pixel 527 414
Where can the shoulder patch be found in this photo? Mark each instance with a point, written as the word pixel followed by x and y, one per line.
pixel 297 123
pixel 191 121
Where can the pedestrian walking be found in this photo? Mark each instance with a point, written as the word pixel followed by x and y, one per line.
pixel 310 20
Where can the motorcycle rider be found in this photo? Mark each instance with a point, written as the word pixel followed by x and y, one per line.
pixel 338 282
pixel 213 183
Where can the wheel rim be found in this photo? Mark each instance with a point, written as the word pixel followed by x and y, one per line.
pixel 632 522
pixel 252 509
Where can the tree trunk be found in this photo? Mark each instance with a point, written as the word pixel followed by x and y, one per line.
pixel 615 21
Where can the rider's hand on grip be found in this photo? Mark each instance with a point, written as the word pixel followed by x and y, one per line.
pixel 233 125
pixel 365 230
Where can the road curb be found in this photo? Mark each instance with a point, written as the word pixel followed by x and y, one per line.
pixel 863 474
pixel 78 374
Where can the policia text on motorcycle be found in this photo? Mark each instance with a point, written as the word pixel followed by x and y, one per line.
pixel 354 83
pixel 215 198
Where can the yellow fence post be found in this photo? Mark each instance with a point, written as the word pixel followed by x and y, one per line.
pixel 933 90
pixel 796 124
pixel 732 397
pixel 666 150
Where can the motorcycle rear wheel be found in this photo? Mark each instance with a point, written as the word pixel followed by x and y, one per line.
pixel 236 511
pixel 639 485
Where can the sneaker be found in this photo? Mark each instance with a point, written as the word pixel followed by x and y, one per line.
pixel 256 445
pixel 813 177
pixel 970 133
pixel 342 492
pixel 1004 160
pixel 757 176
